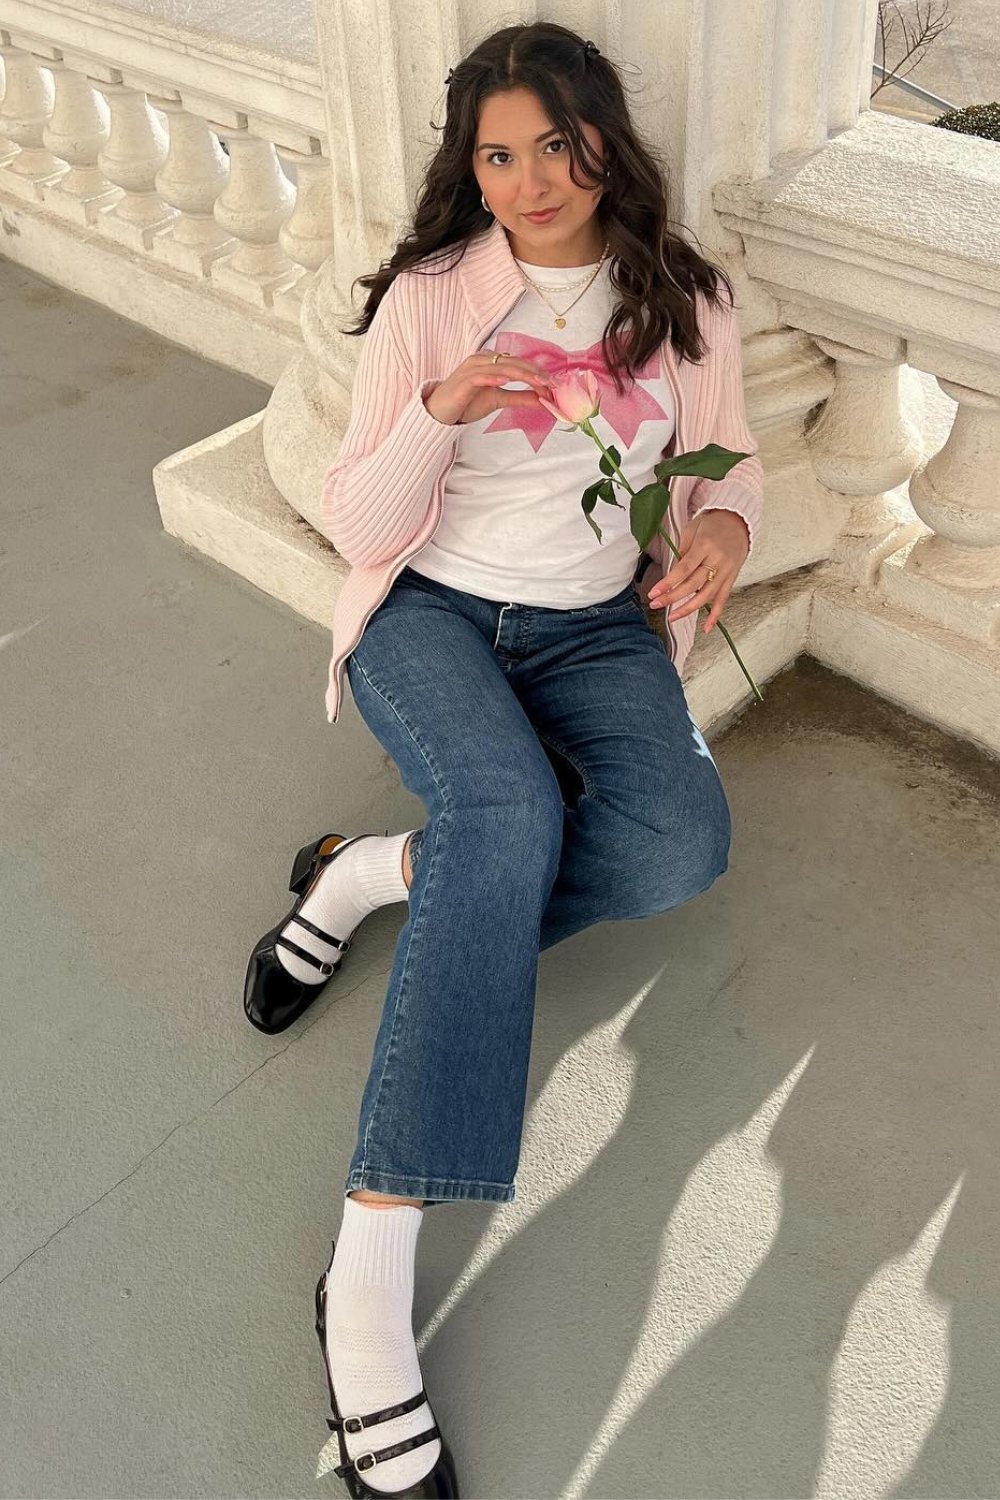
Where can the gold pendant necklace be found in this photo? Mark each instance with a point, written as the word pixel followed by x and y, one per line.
pixel 560 318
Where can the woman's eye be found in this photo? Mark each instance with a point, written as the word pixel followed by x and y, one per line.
pixel 558 141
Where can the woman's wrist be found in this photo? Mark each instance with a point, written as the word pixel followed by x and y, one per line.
pixel 428 400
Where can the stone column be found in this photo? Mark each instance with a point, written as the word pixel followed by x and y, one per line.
pixel 383 67
pixel 733 88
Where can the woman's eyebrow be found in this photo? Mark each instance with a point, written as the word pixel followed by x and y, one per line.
pixel 499 145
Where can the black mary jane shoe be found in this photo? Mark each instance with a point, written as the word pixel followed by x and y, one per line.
pixel 273 998
pixel 439 1484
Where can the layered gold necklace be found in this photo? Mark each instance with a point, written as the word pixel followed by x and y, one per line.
pixel 560 317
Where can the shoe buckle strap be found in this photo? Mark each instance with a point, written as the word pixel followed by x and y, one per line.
pixel 318 932
pixel 366 1461
pixel 304 953
pixel 358 1424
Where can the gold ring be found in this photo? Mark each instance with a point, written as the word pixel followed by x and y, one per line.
pixel 711 573
pixel 496 357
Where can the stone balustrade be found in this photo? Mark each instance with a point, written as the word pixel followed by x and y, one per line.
pixel 882 249
pixel 159 175
pixel 173 162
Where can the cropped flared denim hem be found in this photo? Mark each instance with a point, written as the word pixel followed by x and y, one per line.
pixel 431 1189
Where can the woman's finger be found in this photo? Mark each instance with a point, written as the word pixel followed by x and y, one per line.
pixel 690 566
pixel 704 594
pixel 487 378
pixel 517 369
pixel 513 362
pixel 717 607
pixel 520 398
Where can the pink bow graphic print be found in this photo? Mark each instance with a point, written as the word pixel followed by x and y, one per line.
pixel 622 413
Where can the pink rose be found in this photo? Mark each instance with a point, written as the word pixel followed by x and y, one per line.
pixel 575 399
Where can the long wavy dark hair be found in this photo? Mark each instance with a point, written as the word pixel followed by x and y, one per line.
pixel 653 270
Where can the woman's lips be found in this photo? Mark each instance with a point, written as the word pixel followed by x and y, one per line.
pixel 543 218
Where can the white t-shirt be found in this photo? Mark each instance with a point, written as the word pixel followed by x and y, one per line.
pixel 512 526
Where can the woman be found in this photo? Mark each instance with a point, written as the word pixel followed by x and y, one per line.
pixel 503 659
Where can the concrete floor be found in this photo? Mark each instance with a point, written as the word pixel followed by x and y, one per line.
pixel 753 1251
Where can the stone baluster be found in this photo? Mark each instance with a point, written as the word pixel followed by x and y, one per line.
pixel 135 150
pixel 864 443
pixel 952 577
pixel 24 111
pixel 77 130
pixel 254 204
pixel 193 175
pixel 8 148
pixel 307 236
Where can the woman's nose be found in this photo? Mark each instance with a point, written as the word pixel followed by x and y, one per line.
pixel 534 180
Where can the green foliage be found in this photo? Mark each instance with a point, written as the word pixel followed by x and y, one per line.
pixel 602 490
pixel 710 462
pixel 649 506
pixel 975 119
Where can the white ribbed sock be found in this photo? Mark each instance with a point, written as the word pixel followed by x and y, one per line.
pixel 369 1337
pixel 366 875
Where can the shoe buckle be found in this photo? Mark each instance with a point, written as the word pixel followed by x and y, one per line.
pixel 364 1462
pixel 326 968
pixel 353 1424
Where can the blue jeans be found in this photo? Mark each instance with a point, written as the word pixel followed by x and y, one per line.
pixel 565 783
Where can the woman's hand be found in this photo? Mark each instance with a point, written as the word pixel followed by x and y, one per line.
pixel 713 539
pixel 474 389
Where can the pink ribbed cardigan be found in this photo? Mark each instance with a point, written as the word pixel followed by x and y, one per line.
pixel 381 497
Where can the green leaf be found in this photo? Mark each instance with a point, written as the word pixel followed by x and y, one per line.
pixel 607 492
pixel 646 511
pixel 588 500
pixel 710 462
pixel 607 467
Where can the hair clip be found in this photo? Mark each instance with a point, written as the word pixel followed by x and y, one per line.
pixel 590 49
pixel 449 78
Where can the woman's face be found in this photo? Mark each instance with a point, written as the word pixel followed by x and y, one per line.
pixel 520 174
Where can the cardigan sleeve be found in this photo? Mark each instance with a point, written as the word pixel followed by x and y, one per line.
pixel 742 490
pixel 376 492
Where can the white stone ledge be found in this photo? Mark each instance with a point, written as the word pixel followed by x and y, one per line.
pixel 218 496
pixel 769 623
pixel 887 239
pixel 949 680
